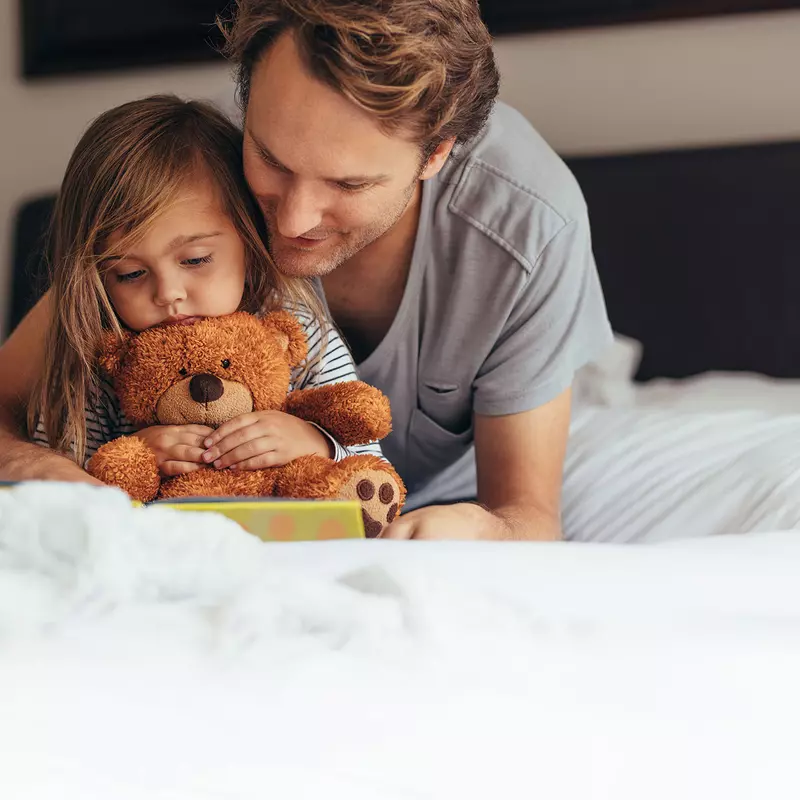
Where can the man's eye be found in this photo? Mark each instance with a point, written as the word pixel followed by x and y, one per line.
pixel 127 277
pixel 268 162
pixel 196 262
pixel 353 187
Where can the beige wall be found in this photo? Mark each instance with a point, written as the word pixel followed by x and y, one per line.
pixel 714 80
pixel 644 86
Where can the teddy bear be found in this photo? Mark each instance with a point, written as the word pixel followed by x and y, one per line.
pixel 218 368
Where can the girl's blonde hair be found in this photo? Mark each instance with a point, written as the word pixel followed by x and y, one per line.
pixel 132 163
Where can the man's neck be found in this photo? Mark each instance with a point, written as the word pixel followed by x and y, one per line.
pixel 365 292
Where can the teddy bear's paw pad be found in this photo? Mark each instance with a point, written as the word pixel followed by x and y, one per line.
pixel 379 496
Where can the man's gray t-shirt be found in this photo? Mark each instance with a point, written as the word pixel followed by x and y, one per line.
pixel 501 307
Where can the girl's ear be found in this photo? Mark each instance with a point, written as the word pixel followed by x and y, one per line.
pixel 289 332
pixel 113 348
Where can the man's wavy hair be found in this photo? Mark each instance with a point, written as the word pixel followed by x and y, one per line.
pixel 422 67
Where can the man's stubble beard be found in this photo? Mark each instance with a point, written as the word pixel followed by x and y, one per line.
pixel 298 263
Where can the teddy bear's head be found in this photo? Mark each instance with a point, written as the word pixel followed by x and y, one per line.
pixel 205 373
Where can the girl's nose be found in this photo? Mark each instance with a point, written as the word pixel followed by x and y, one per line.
pixel 168 293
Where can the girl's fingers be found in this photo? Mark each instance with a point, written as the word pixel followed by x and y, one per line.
pixel 197 430
pixel 171 468
pixel 239 438
pixel 229 427
pixel 262 448
pixel 264 461
pixel 184 452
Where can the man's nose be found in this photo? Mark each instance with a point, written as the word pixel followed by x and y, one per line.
pixel 298 212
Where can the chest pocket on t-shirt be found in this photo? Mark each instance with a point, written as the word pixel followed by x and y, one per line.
pixel 440 430
pixel 446 404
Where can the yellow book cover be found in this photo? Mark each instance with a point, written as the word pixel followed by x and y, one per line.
pixel 281 520
pixel 276 519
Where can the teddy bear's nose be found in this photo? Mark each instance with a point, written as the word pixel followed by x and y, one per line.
pixel 205 388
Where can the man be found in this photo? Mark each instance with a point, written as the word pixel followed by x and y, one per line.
pixel 453 252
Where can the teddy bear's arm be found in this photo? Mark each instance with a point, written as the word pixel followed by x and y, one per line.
pixel 130 464
pixel 352 412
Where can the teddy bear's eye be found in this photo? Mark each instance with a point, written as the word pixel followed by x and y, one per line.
pixel 182 370
pixel 226 363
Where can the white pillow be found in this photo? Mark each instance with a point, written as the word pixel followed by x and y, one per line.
pixel 608 381
pixel 722 391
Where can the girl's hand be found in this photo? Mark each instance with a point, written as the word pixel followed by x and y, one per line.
pixel 263 439
pixel 178 448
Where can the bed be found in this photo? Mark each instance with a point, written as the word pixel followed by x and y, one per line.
pixel 144 656
pixel 687 426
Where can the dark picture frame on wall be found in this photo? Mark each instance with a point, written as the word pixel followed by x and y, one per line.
pixel 519 16
pixel 73 36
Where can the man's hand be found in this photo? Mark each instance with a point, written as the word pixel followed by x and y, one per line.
pixel 472 522
pixel 178 448
pixel 519 462
pixel 462 522
pixel 264 439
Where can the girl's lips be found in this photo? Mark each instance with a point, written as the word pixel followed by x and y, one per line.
pixel 181 320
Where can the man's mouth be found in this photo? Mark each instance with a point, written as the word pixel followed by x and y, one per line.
pixel 306 242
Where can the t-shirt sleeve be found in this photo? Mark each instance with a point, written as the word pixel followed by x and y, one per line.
pixel 557 324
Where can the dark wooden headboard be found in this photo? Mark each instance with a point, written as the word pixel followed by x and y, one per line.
pixel 698 252
pixel 699 255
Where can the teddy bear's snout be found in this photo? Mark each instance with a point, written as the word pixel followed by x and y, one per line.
pixel 203 399
pixel 206 388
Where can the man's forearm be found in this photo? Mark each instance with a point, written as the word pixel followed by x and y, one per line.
pixel 21 460
pixel 521 523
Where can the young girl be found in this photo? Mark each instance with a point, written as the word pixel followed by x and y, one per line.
pixel 155 225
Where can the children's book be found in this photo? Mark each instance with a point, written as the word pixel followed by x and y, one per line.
pixel 276 519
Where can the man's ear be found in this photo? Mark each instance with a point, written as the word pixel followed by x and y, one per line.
pixel 289 333
pixel 113 348
pixel 437 159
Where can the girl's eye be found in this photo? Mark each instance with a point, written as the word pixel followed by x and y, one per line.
pixel 226 363
pixel 196 262
pixel 127 277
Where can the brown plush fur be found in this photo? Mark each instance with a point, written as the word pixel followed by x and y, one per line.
pixel 216 369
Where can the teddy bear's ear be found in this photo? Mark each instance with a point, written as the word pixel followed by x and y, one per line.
pixel 112 350
pixel 289 332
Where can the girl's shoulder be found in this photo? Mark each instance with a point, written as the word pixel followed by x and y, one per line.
pixel 310 321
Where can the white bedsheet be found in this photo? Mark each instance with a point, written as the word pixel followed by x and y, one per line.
pixel 145 654
pixel 671 459
pixel 649 475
